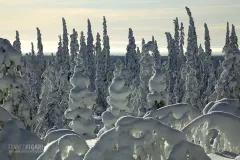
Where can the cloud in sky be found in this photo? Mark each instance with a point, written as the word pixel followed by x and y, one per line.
pixel 145 17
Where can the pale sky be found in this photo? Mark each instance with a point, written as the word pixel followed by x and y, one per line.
pixel 145 17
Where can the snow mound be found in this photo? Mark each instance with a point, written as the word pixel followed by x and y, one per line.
pixel 135 137
pixel 185 149
pixel 70 146
pixel 176 115
pixel 226 139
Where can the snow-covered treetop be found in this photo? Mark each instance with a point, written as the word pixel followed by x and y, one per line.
pixel 90 36
pixel 39 40
pixel 227 41
pixel 176 33
pixel 104 26
pixel 32 49
pixel 118 68
pixel 208 49
pixel 143 43
pixel 65 37
pixel 8 54
pixel 74 46
pixel 234 40
pixel 192 35
pixel 82 43
pixel 182 34
pixel 17 43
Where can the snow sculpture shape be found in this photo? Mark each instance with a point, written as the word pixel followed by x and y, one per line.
pixel 70 146
pixel 81 101
pixel 12 83
pixel 117 100
pixel 133 138
pixel 227 125
pixel 9 58
pixel 157 87
pixel 186 150
pixel 224 105
pixel 176 115
pixel 29 146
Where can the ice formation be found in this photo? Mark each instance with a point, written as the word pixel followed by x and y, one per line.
pixel 176 115
pixel 133 138
pixel 117 100
pixel 157 87
pixel 81 101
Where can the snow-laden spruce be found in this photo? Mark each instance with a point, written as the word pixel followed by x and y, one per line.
pixel 40 63
pixel 17 43
pixel 146 72
pixel 179 43
pixel 228 86
pixel 157 87
pixel 81 101
pixel 12 83
pixel 117 100
pixel 90 57
pixel 106 52
pixel 172 67
pixel 83 50
pixel 131 61
pixel 206 61
pixel 101 103
pixel 50 113
pixel 74 49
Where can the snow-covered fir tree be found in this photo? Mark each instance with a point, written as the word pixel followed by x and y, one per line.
pixel 206 64
pixel 227 40
pixel 100 76
pixel 83 50
pixel 74 49
pixel 179 43
pixel 228 86
pixel 131 61
pixel 117 99
pixel 40 64
pixel 146 72
pixel 17 43
pixel 65 50
pixel 193 66
pixel 156 55
pixel 106 51
pixel 208 93
pixel 49 111
pixel 90 57
pixel 81 102
pixel 64 84
pixel 157 86
pixel 192 89
pixel 172 67
pixel 143 43
pixel 12 83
